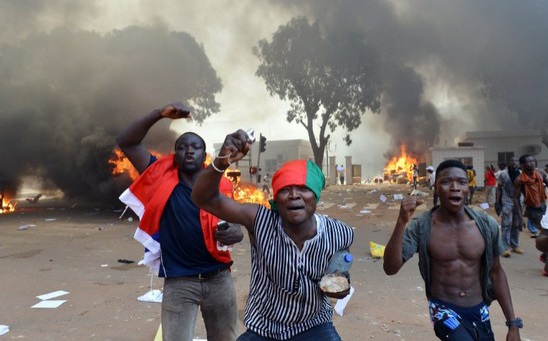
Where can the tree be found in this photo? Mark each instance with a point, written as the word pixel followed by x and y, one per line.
pixel 330 77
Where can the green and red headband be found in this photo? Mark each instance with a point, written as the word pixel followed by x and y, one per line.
pixel 299 173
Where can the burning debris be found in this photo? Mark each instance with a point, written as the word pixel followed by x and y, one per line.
pixel 400 168
pixel 6 205
pixel 242 192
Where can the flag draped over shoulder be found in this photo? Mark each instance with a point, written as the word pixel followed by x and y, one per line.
pixel 147 197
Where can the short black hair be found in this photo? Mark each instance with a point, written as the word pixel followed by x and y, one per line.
pixel 449 164
pixel 189 133
pixel 525 156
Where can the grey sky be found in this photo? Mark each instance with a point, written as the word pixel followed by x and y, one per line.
pixel 437 58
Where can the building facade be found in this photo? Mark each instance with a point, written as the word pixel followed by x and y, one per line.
pixel 483 148
pixel 276 153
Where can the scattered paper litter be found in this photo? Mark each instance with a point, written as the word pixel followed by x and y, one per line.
pixel 50 219
pixel 484 205
pixel 49 304
pixel 25 227
pixel 154 296
pixel 398 196
pixel 371 206
pixel 365 211
pixel 383 198
pixel 341 304
pixel 52 295
pixel 4 329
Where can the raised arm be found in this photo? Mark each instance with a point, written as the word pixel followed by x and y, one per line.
pixel 130 140
pixel 393 253
pixel 205 193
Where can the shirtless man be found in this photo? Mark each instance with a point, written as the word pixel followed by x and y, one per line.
pixel 458 248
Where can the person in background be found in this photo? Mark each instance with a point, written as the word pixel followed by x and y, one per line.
pixel 415 171
pixel 532 181
pixel 490 184
pixel 472 183
pixel 508 207
pixel 291 247
pixel 459 260
pixel 181 240
pixel 502 166
pixel 340 171
pixel 266 185
pixel 432 183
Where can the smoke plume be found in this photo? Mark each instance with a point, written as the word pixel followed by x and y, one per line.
pixel 66 94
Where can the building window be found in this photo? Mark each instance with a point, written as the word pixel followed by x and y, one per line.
pixel 504 157
pixel 271 165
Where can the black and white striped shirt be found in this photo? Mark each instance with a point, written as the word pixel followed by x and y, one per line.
pixel 285 298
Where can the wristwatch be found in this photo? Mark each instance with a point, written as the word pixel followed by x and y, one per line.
pixel 515 323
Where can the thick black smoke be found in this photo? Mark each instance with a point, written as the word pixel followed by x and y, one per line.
pixel 490 56
pixel 65 95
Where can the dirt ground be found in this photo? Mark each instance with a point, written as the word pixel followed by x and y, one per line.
pixel 52 246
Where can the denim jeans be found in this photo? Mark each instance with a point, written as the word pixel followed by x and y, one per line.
pixel 323 332
pixel 216 298
pixel 509 228
pixel 531 228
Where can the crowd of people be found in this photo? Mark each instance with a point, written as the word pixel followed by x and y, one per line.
pixel 181 202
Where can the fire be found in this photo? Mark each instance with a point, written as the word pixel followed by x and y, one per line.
pixel 241 192
pixel 246 193
pixel 7 206
pixel 121 164
pixel 400 165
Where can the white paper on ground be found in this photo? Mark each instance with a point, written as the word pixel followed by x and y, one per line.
pixel 484 205
pixel 4 329
pixel 341 304
pixel 154 296
pixel 25 227
pixel 383 198
pixel 52 294
pixel 398 196
pixel 49 304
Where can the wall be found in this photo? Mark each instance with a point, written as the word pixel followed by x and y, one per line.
pixel 476 154
pixel 515 142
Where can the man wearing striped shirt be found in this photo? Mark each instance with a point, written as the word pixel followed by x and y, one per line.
pixel 290 247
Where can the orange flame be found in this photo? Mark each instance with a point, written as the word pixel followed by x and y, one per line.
pixel 121 164
pixel 242 192
pixel 7 206
pixel 401 165
pixel 247 193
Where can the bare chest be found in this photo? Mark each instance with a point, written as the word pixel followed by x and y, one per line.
pixel 450 243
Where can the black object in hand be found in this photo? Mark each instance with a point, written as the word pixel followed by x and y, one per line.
pixel 222 225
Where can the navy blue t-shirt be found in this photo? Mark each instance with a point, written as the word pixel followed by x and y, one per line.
pixel 184 252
